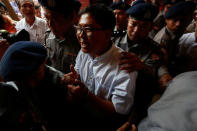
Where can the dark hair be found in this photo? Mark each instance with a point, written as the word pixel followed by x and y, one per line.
pixel 36 6
pixel 19 2
pixel 77 6
pixel 102 15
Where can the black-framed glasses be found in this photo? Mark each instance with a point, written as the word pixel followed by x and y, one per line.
pixel 86 30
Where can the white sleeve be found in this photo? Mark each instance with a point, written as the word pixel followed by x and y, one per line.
pixel 123 95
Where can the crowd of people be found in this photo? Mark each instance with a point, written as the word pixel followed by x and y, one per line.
pixel 119 65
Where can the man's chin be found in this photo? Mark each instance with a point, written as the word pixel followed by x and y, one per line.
pixel 84 50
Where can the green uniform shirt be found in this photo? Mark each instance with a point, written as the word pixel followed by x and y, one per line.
pixel 62 53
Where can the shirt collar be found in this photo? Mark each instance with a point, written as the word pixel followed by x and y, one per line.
pixel 172 35
pixel 36 23
pixel 106 55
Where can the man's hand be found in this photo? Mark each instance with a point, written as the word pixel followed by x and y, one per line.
pixel 127 127
pixel 163 80
pixel 130 62
pixel 77 91
pixel 71 77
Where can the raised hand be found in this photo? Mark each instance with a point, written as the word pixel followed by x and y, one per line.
pixel 70 78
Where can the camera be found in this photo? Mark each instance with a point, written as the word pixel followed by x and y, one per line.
pixel 22 35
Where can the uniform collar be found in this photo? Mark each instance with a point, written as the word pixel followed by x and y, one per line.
pixel 171 34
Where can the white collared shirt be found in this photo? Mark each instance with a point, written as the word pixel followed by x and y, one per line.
pixel 36 31
pixel 104 78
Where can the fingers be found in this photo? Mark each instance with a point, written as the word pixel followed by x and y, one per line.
pixel 74 73
pixel 68 78
pixel 78 90
pixel 124 127
pixel 130 61
pixel 73 89
pixel 134 128
pixel 72 69
pixel 127 55
pixel 163 80
pixel 128 58
pixel 129 68
pixel 81 84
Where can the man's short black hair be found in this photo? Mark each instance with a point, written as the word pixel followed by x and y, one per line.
pixel 103 15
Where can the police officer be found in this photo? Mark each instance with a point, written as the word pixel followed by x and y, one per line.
pixel 141 16
pixel 61 41
pixel 35 100
pixel 177 18
pixel 142 54
pixel 119 9
pixel 159 21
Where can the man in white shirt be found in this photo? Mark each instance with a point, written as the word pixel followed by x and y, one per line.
pixel 108 91
pixel 34 25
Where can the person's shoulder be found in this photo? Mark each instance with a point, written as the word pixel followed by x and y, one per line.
pixel 41 20
pixel 188 38
pixel 186 75
pixel 161 31
pixel 187 35
pixel 20 23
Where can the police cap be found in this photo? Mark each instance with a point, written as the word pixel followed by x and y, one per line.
pixel 143 11
pixel 181 8
pixel 120 6
pixel 59 5
pixel 21 59
pixel 166 2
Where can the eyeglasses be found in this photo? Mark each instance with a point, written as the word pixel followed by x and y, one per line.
pixel 86 30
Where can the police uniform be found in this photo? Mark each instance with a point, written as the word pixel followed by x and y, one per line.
pixel 168 40
pixel 148 52
pixel 159 21
pixel 43 109
pixel 62 53
pixel 146 49
pixel 22 107
pixel 117 35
